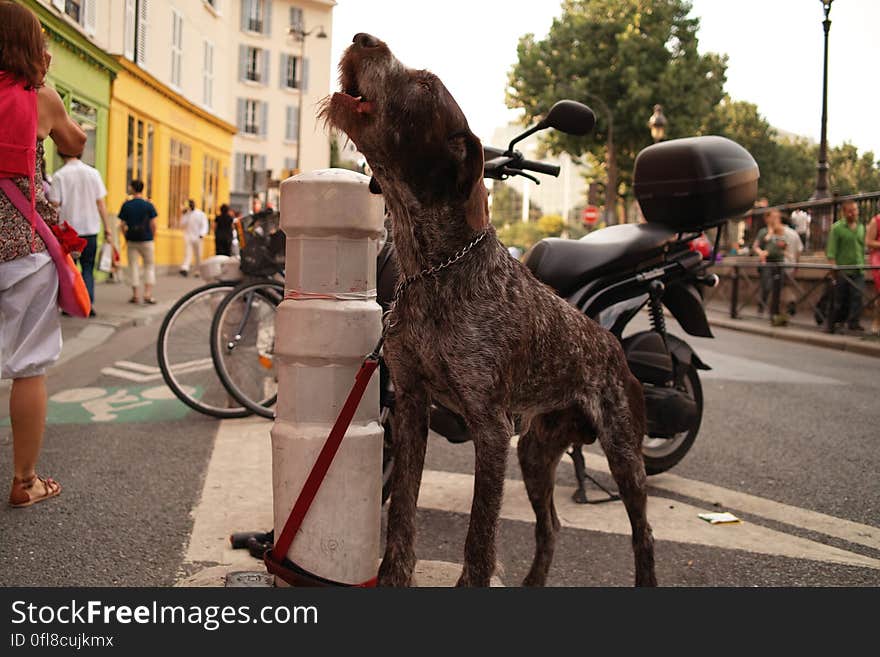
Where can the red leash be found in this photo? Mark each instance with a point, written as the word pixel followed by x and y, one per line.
pixel 275 559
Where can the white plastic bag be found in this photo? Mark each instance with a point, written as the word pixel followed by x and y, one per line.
pixel 105 262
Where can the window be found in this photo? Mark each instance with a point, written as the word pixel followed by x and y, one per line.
pixel 251 124
pixel 245 166
pixel 254 17
pixel 87 117
pixel 252 64
pixel 294 72
pixel 178 183
pixel 139 153
pixel 253 117
pixel 82 12
pixel 176 47
pixel 208 75
pixel 289 72
pixel 73 8
pixel 210 183
pixel 291 124
pixel 296 19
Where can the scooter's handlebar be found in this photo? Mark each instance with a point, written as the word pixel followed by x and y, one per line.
pixel 500 164
pixel 567 116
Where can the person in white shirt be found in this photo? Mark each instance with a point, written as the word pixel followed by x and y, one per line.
pixel 195 226
pixel 802 221
pixel 79 193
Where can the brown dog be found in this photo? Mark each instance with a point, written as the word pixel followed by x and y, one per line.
pixel 481 335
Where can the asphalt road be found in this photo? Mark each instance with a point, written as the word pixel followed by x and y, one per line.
pixel 789 444
pixel 783 422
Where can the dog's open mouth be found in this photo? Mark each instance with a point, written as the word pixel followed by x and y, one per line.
pixel 352 98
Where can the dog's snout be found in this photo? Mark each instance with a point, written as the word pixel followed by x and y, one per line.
pixel 365 40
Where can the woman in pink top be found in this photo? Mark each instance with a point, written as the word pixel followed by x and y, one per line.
pixel 30 336
pixel 872 241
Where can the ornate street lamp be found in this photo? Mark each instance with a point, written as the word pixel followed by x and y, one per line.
pixel 299 33
pixel 822 167
pixel 657 123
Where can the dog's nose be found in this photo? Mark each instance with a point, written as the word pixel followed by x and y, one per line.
pixel 365 40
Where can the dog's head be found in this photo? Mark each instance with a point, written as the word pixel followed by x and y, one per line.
pixel 410 129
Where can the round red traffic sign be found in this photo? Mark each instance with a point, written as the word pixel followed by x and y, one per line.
pixel 590 215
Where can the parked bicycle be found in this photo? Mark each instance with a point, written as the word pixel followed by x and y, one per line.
pixel 216 344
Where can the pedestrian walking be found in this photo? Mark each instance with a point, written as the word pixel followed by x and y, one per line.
pixel 194 223
pixel 79 193
pixel 138 219
pixel 30 333
pixel 802 220
pixel 846 247
pixel 223 231
pixel 872 241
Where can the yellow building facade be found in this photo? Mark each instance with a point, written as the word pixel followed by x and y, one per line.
pixel 178 149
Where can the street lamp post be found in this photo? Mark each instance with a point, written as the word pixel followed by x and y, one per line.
pixel 822 167
pixel 299 33
pixel 657 123
pixel 610 166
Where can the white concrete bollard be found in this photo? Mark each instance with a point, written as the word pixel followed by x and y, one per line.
pixel 332 225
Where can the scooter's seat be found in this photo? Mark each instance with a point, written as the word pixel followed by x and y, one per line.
pixel 565 265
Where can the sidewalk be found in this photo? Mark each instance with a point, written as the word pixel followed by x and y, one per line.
pixel 114 312
pixel 864 344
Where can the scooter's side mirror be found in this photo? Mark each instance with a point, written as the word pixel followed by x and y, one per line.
pixel 570 117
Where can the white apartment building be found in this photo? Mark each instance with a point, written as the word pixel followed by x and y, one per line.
pixel 280 65
pixel 262 65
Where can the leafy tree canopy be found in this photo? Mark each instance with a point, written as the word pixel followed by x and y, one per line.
pixel 631 54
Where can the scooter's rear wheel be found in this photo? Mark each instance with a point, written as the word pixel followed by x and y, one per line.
pixel 661 454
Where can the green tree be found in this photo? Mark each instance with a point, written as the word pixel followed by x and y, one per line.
pixel 629 53
pixel 520 234
pixel 551 225
pixel 787 166
pixel 851 173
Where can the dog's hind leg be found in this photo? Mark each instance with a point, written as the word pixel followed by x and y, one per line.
pixel 621 432
pixel 539 452
pixel 491 444
pixel 410 434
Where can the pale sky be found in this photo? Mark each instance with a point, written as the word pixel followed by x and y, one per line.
pixel 774 49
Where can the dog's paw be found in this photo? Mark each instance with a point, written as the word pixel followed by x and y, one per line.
pixel 394 574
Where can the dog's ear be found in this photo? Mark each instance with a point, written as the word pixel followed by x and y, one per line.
pixel 468 152
pixel 374 186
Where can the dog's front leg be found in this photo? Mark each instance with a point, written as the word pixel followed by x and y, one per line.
pixel 410 434
pixel 491 444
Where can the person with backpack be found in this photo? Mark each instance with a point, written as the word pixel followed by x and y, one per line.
pixel 137 216
pixel 30 334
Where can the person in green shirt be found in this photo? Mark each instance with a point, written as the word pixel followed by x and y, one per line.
pixel 846 246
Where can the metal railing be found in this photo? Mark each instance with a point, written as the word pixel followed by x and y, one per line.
pixel 822 295
pixel 823 214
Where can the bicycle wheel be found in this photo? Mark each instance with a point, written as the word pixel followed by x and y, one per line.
pixel 184 353
pixel 243 344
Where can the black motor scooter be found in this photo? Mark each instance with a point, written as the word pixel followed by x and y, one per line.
pixel 684 187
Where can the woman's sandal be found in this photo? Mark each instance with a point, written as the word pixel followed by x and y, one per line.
pixel 149 300
pixel 20 496
pixel 134 300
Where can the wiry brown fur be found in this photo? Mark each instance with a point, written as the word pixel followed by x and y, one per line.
pixel 483 337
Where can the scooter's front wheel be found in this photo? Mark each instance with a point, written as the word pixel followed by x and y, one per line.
pixel 661 454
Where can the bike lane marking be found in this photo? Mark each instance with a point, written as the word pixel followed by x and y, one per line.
pixel 670 520
pixel 111 404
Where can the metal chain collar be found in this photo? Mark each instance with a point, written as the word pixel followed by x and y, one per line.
pixel 430 271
